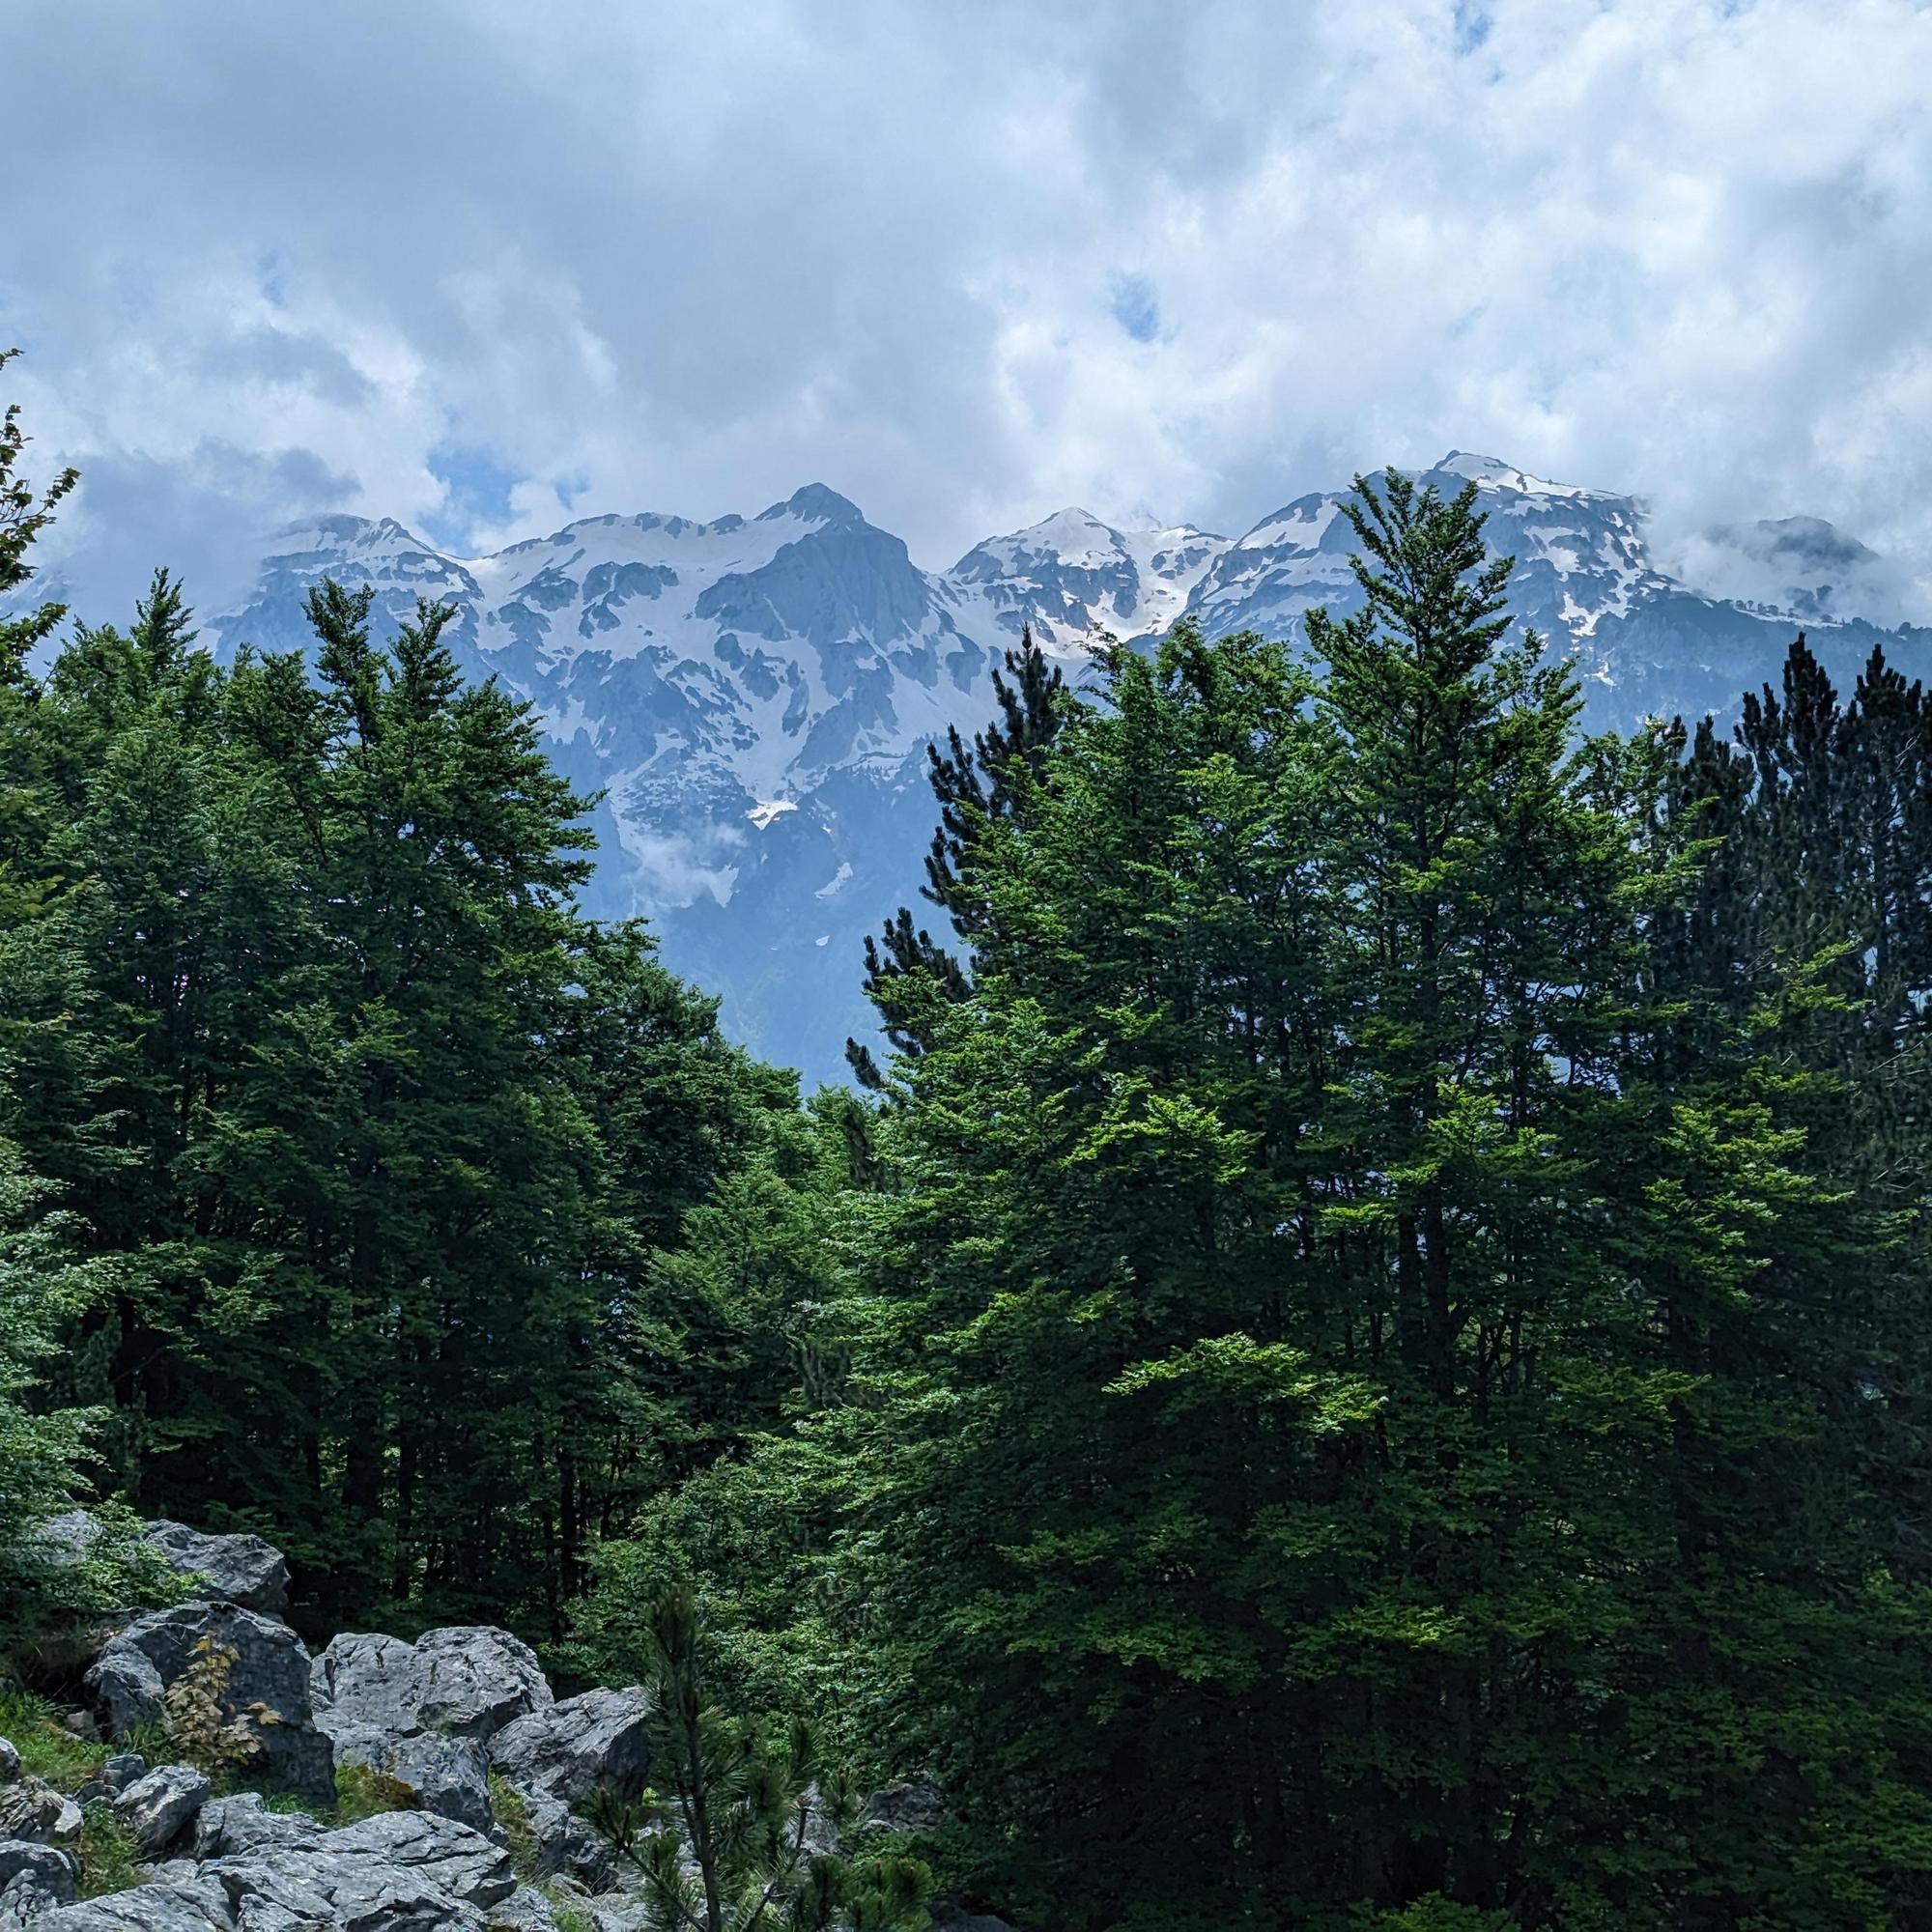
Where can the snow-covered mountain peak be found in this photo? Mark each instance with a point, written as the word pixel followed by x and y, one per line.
pixel 1491 473
pixel 1071 578
pixel 752 695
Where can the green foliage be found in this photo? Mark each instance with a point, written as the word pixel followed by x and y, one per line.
pixel 512 1812
pixel 362 1791
pixel 1365 1366
pixel 1363 1390
pixel 352 1161
pixel 48 1748
pixel 747 1834
pixel 109 1858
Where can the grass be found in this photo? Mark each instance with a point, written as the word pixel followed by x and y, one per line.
pixel 569 1917
pixel 513 1814
pixel 520 1841
pixel 362 1793
pixel 47 1750
pixel 109 1862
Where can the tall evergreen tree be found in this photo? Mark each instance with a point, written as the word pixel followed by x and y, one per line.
pixel 910 977
pixel 1318 1380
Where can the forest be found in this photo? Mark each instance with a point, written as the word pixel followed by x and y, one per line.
pixel 1357 1358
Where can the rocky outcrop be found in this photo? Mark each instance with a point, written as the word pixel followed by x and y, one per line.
pixel 236 1568
pixel 112 1779
pixel 227 1827
pixel 419 1712
pixel 403 1871
pixel 904 1808
pixel 35 1880
pixel 567 1750
pixel 263 1692
pixel 158 1806
pixel 526 1910
pixel 467 1681
pixel 33 1812
pixel 196 1905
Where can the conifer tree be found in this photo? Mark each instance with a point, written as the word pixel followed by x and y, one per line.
pixel 907 971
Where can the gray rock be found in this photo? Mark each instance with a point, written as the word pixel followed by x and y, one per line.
pixel 568 1751
pixel 526 1910
pixel 236 1569
pixel 448 1775
pixel 270 1668
pixel 10 1761
pixel 32 1810
pixel 158 1806
pixel 111 1779
pixel 465 1681
pixel 462 1862
pixel 957 1920
pixel 25 1901
pixel 566 1847
pixel 227 1827
pixel 35 1878
pixel 904 1808
pixel 200 1906
pixel 403 1871
pixel 65 1541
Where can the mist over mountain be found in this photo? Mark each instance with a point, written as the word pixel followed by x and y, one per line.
pixel 753 697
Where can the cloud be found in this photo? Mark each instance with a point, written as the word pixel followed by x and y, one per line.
pixel 481 269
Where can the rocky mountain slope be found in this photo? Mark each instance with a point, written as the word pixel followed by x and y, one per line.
pixel 753 697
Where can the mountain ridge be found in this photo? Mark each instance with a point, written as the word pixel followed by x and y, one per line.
pixel 751 696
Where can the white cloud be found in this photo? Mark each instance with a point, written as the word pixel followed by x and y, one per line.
pixel 270 260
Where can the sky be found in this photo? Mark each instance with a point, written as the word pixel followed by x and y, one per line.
pixel 484 266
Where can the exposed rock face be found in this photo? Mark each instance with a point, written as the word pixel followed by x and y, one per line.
pixel 403 1871
pixel 226 1828
pixel 112 1779
pixel 200 1905
pixel 418 1711
pixel 449 1776
pixel 566 1847
pixel 466 1681
pixel 270 1669
pixel 158 1806
pixel 904 1808
pixel 10 1761
pixel 34 1880
pixel 239 1570
pixel 569 1749
pixel 526 1910
pixel 33 1812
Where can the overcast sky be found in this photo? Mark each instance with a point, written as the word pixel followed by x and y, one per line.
pixel 486 265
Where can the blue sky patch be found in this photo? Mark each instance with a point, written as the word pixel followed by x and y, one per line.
pixel 1136 307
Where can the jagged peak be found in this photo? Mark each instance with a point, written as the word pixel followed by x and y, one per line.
pixel 342 528
pixel 817 503
pixel 1491 473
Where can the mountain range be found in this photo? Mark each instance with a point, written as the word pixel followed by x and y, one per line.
pixel 753 697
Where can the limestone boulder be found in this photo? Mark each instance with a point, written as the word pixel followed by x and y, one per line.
pixel 227 1827
pixel 33 1812
pixel 265 1690
pixel 465 1681
pixel 569 1749
pixel 35 1880
pixel 234 1569
pixel 160 1805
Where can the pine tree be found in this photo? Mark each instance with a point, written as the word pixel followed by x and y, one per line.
pixel 910 977
pixel 1339 1338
